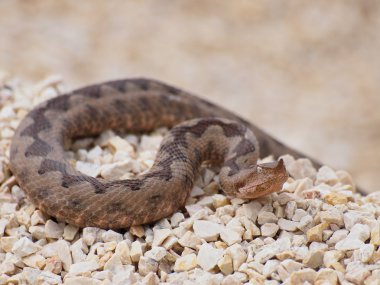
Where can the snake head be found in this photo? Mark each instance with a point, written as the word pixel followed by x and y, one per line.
pixel 265 178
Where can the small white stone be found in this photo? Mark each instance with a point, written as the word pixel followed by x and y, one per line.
pixel 287 225
pixel 356 273
pixel 81 280
pixel 34 260
pixel 230 236
pixel 150 279
pixel 251 210
pixel 239 256
pixel 24 247
pixel 53 230
pixel 185 263
pixel 332 216
pixel 207 230
pixel 219 200
pixel 208 256
pixel 136 251
pixel 84 266
pixel 231 280
pixel 111 235
pixel 337 236
pixel 160 235
pixel 64 254
pixel 359 231
pixel 89 235
pixel 116 170
pixel 326 175
pixel 38 218
pixel 269 229
pixel 266 217
pixel 176 219
pixel 366 251
pixel 348 244
pixel 270 250
pixel 269 267
pixel 78 250
pixel 69 232
pixel 122 249
pixel 156 253
pixel 290 208
pixel 90 169
pixel 332 256
pixel 38 232
pixel 301 168
pixel 189 239
pixel 8 208
pixel 8 242
pixel 147 265
pixel 196 191
pixel 114 263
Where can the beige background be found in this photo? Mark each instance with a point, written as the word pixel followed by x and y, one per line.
pixel 307 71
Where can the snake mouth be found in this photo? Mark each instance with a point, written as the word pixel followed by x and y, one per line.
pixel 268 178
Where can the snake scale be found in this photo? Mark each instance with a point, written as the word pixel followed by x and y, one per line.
pixel 201 131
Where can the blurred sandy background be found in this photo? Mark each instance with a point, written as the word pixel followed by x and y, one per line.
pixel 306 71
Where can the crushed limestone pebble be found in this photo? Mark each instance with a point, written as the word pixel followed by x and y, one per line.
pixel 316 230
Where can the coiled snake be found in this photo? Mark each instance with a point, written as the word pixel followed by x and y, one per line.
pixel 201 131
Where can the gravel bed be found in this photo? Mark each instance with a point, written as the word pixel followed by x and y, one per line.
pixel 316 230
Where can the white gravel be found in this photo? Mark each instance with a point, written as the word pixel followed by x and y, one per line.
pixel 317 230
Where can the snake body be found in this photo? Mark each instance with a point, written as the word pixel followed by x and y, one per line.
pixel 201 131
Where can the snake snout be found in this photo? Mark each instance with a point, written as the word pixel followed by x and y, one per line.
pixel 267 178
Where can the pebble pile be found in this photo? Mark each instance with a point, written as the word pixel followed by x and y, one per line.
pixel 317 230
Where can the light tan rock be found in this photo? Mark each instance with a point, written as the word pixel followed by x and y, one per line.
pixel 239 256
pixel 176 219
pixel 375 235
pixel 89 235
pixel 156 253
pixel 53 264
pixel 326 175
pixel 225 264
pixel 314 259
pixel 334 198
pixel 326 276
pixel 136 251
pixel 81 280
pixel 219 200
pixel 251 210
pixel 266 217
pixel 332 256
pixel 122 249
pixel 189 239
pixel 147 265
pixel 35 260
pixel 185 263
pixel 69 232
pixel 114 263
pixel 8 242
pixel 304 275
pixel 315 233
pixel 53 230
pixel 269 229
pixel 111 235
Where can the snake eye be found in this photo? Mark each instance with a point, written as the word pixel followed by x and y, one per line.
pixel 40 171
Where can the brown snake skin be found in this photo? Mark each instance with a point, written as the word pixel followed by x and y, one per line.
pixel 138 105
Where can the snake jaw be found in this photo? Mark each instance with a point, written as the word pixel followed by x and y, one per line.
pixel 267 178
